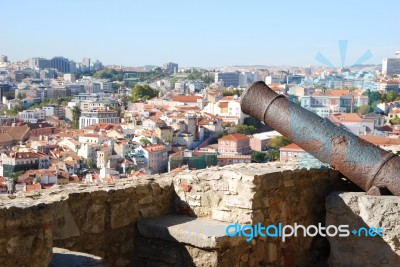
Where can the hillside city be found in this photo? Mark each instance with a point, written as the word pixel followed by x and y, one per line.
pixel 63 121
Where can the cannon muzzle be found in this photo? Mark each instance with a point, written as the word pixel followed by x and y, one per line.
pixel 368 166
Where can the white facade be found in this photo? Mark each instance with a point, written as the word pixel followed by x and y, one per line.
pixel 391 66
pixel 93 117
pixel 32 116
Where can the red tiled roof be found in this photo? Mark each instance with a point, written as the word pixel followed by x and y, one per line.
pixel 186 98
pixel 347 117
pixel 153 148
pixel 234 137
pixel 381 140
pixel 291 146
pixel 336 92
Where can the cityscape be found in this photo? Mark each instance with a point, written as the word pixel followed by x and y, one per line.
pixel 125 138
pixel 83 122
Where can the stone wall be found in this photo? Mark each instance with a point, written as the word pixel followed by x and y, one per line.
pixel 101 219
pixel 360 210
pixel 266 194
pixel 96 219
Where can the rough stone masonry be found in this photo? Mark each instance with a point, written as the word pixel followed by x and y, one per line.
pixel 102 219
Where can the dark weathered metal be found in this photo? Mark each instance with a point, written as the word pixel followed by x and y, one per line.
pixel 370 167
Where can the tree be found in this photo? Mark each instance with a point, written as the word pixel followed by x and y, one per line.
pixel 395 121
pixel 258 157
pixel 272 155
pixel 91 164
pixel 391 95
pixel 372 96
pixel 253 122
pixel 143 92
pixel 245 129
pixel 15 110
pixel 278 142
pixel 363 110
pixel 144 141
pixel 76 113
pixel 15 176
pixel 21 96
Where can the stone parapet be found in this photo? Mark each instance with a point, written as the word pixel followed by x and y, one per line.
pixel 359 210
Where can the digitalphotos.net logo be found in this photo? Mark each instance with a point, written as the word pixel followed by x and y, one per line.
pixel 343 53
pixel 285 231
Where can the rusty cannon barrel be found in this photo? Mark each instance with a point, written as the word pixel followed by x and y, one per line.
pixel 368 166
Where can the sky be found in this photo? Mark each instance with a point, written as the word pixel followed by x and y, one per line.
pixel 206 33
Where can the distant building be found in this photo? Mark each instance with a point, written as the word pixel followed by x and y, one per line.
pixel 22 161
pixel 353 123
pixel 38 63
pixel 224 160
pixel 234 144
pixel 271 80
pixel 391 66
pixel 156 157
pixel 171 67
pixel 386 86
pixel 227 78
pixel 333 101
pixel 259 142
pixel 32 116
pixel 97 116
pixel 61 64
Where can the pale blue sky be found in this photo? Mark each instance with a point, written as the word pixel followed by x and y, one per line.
pixel 199 33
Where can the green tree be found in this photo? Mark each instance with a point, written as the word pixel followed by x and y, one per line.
pixel 253 122
pixel 15 110
pixel 363 110
pixel 144 141
pixel 272 155
pixel 278 142
pixel 245 129
pixel 258 157
pixel 372 96
pixel 143 92
pixel 91 164
pixel 21 95
pixel 391 95
pixel 395 121
pixel 76 113
pixel 15 176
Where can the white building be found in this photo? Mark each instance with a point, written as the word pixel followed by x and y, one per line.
pixel 32 116
pixel 391 66
pixel 97 116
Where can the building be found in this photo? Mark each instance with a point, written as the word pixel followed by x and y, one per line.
pixel 353 123
pixel 22 161
pixel 11 135
pixel 171 67
pixel 38 63
pixel 391 66
pixel 32 116
pixel 62 64
pixel 234 144
pixel 156 157
pixel 386 86
pixel 333 101
pixel 259 142
pixel 195 160
pixel 227 79
pixel 233 159
pixel 54 110
pixel 85 66
pixel 96 116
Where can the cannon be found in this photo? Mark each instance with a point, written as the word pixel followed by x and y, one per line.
pixel 373 169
